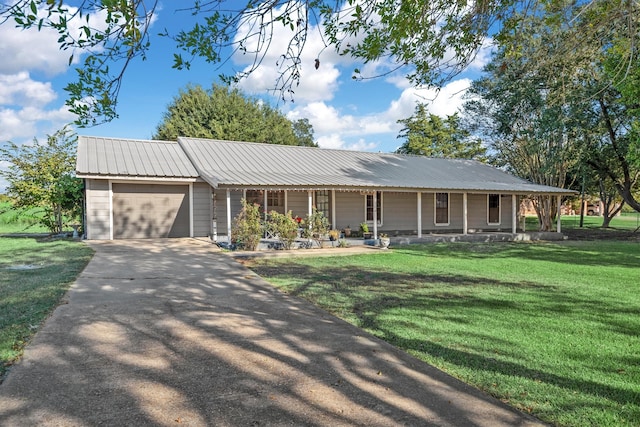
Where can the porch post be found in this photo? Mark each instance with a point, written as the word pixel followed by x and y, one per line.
pixel 266 208
pixel 191 209
pixel 286 202
pixel 514 216
pixel 559 223
pixel 228 216
pixel 419 214
pixel 375 214
pixel 310 208
pixel 334 224
pixel 465 220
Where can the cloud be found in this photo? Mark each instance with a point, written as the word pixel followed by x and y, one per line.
pixel 20 89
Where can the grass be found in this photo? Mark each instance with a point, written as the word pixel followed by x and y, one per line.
pixel 625 221
pixel 551 329
pixel 28 296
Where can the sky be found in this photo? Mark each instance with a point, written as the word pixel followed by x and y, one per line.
pixel 344 113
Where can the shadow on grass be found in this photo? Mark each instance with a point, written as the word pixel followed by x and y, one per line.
pixel 607 253
pixel 367 295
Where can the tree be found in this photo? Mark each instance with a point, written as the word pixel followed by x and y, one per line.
pixel 303 131
pixel 43 175
pixel 224 113
pixel 430 135
pixel 523 113
pixel 431 41
pixel 551 102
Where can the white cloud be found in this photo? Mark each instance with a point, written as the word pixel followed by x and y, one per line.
pixel 20 89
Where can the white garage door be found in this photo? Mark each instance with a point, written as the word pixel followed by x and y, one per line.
pixel 142 211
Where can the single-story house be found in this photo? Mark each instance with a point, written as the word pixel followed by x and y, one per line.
pixel 193 187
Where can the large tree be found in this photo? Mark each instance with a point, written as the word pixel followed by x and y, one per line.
pixel 430 135
pixel 430 40
pixel 43 175
pixel 225 113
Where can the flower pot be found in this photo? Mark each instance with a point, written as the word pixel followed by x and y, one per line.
pixel 384 242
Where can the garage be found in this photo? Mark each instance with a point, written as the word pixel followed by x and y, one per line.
pixel 143 211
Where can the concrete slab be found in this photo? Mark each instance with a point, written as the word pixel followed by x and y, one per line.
pixel 174 332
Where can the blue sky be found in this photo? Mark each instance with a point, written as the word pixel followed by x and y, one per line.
pixel 345 114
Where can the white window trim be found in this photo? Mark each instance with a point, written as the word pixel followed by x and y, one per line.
pixel 435 207
pixel 499 210
pixel 380 218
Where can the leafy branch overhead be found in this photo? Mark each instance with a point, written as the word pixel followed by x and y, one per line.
pixel 429 41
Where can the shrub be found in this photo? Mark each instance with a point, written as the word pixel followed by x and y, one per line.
pixel 247 228
pixel 318 226
pixel 284 227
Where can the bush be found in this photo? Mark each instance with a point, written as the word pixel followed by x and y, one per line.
pixel 247 228
pixel 284 227
pixel 317 226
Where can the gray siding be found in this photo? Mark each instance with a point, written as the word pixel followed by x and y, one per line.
pixel 201 209
pixel 477 211
pixel 98 226
pixel 220 208
pixel 349 210
pixel 298 203
pixel 399 212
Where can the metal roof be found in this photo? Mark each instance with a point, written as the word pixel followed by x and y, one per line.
pixel 247 164
pixel 132 158
pixel 232 163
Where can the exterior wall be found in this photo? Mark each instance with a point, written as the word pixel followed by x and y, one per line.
pixel 298 203
pixel 478 213
pixel 202 205
pixel 220 209
pixel 98 209
pixel 350 209
pixel 399 212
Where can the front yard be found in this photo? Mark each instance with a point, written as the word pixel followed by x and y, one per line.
pixel 34 275
pixel 552 329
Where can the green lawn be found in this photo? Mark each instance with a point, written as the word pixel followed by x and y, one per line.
pixel 552 329
pixel 28 294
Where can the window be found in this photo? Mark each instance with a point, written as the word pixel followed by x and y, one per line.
pixel 322 202
pixel 255 197
pixel 493 211
pixel 378 207
pixel 275 199
pixel 442 208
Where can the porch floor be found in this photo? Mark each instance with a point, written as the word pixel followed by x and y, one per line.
pixel 271 244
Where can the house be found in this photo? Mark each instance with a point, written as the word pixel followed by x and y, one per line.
pixel 193 187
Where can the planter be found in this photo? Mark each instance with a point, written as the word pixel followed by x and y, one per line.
pixel 384 242
pixel 367 235
pixel 347 232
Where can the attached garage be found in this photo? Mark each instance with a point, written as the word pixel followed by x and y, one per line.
pixel 143 211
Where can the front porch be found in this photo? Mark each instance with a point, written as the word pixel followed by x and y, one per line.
pixel 272 244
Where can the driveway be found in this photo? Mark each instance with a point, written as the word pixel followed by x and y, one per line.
pixel 174 332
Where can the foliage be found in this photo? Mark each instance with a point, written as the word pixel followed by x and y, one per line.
pixel 227 114
pixel 364 227
pixel 576 367
pixel 284 227
pixel 247 227
pixel 317 225
pixel 429 135
pixel 43 175
pixel 303 131
pixel 431 41
pixel 27 296
pixel 553 97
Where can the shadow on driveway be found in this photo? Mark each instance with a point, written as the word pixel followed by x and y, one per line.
pixel 174 332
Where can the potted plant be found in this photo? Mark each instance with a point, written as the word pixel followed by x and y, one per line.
pixel 384 240
pixel 364 228
pixel 347 231
pixel 334 235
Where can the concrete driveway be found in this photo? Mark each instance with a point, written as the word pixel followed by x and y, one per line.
pixel 174 332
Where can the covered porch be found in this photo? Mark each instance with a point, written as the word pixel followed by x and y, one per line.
pixel 405 216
